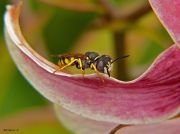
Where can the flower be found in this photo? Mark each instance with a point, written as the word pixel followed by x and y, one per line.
pixel 152 97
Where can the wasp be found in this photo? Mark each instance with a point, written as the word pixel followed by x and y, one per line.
pixel 89 60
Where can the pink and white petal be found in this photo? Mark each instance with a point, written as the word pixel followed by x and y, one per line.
pixel 168 12
pixel 153 97
pixel 167 127
pixel 81 125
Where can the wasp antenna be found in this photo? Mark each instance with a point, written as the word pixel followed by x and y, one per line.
pixel 119 58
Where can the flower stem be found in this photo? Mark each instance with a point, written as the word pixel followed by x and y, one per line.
pixel 111 14
pixel 120 50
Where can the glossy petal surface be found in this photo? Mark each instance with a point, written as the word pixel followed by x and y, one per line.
pixel 168 12
pixel 153 97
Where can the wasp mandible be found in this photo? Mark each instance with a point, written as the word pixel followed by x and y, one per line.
pixel 89 60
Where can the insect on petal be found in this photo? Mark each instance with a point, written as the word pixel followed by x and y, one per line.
pixel 153 97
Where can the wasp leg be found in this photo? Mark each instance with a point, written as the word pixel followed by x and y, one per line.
pixel 81 67
pixel 66 65
pixel 83 72
pixel 97 72
pixel 55 71
pixel 108 72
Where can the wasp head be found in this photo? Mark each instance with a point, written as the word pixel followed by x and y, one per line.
pixel 103 64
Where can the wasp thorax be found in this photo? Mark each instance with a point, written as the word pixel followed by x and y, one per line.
pixel 90 59
pixel 92 56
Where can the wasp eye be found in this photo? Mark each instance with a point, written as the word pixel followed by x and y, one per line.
pixel 100 66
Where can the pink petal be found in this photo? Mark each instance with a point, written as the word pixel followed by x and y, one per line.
pixel 168 12
pixel 152 97
pixel 81 125
pixel 167 127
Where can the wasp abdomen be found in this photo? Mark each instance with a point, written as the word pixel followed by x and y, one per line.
pixel 65 61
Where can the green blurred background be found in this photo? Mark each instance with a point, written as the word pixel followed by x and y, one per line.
pixel 61 26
